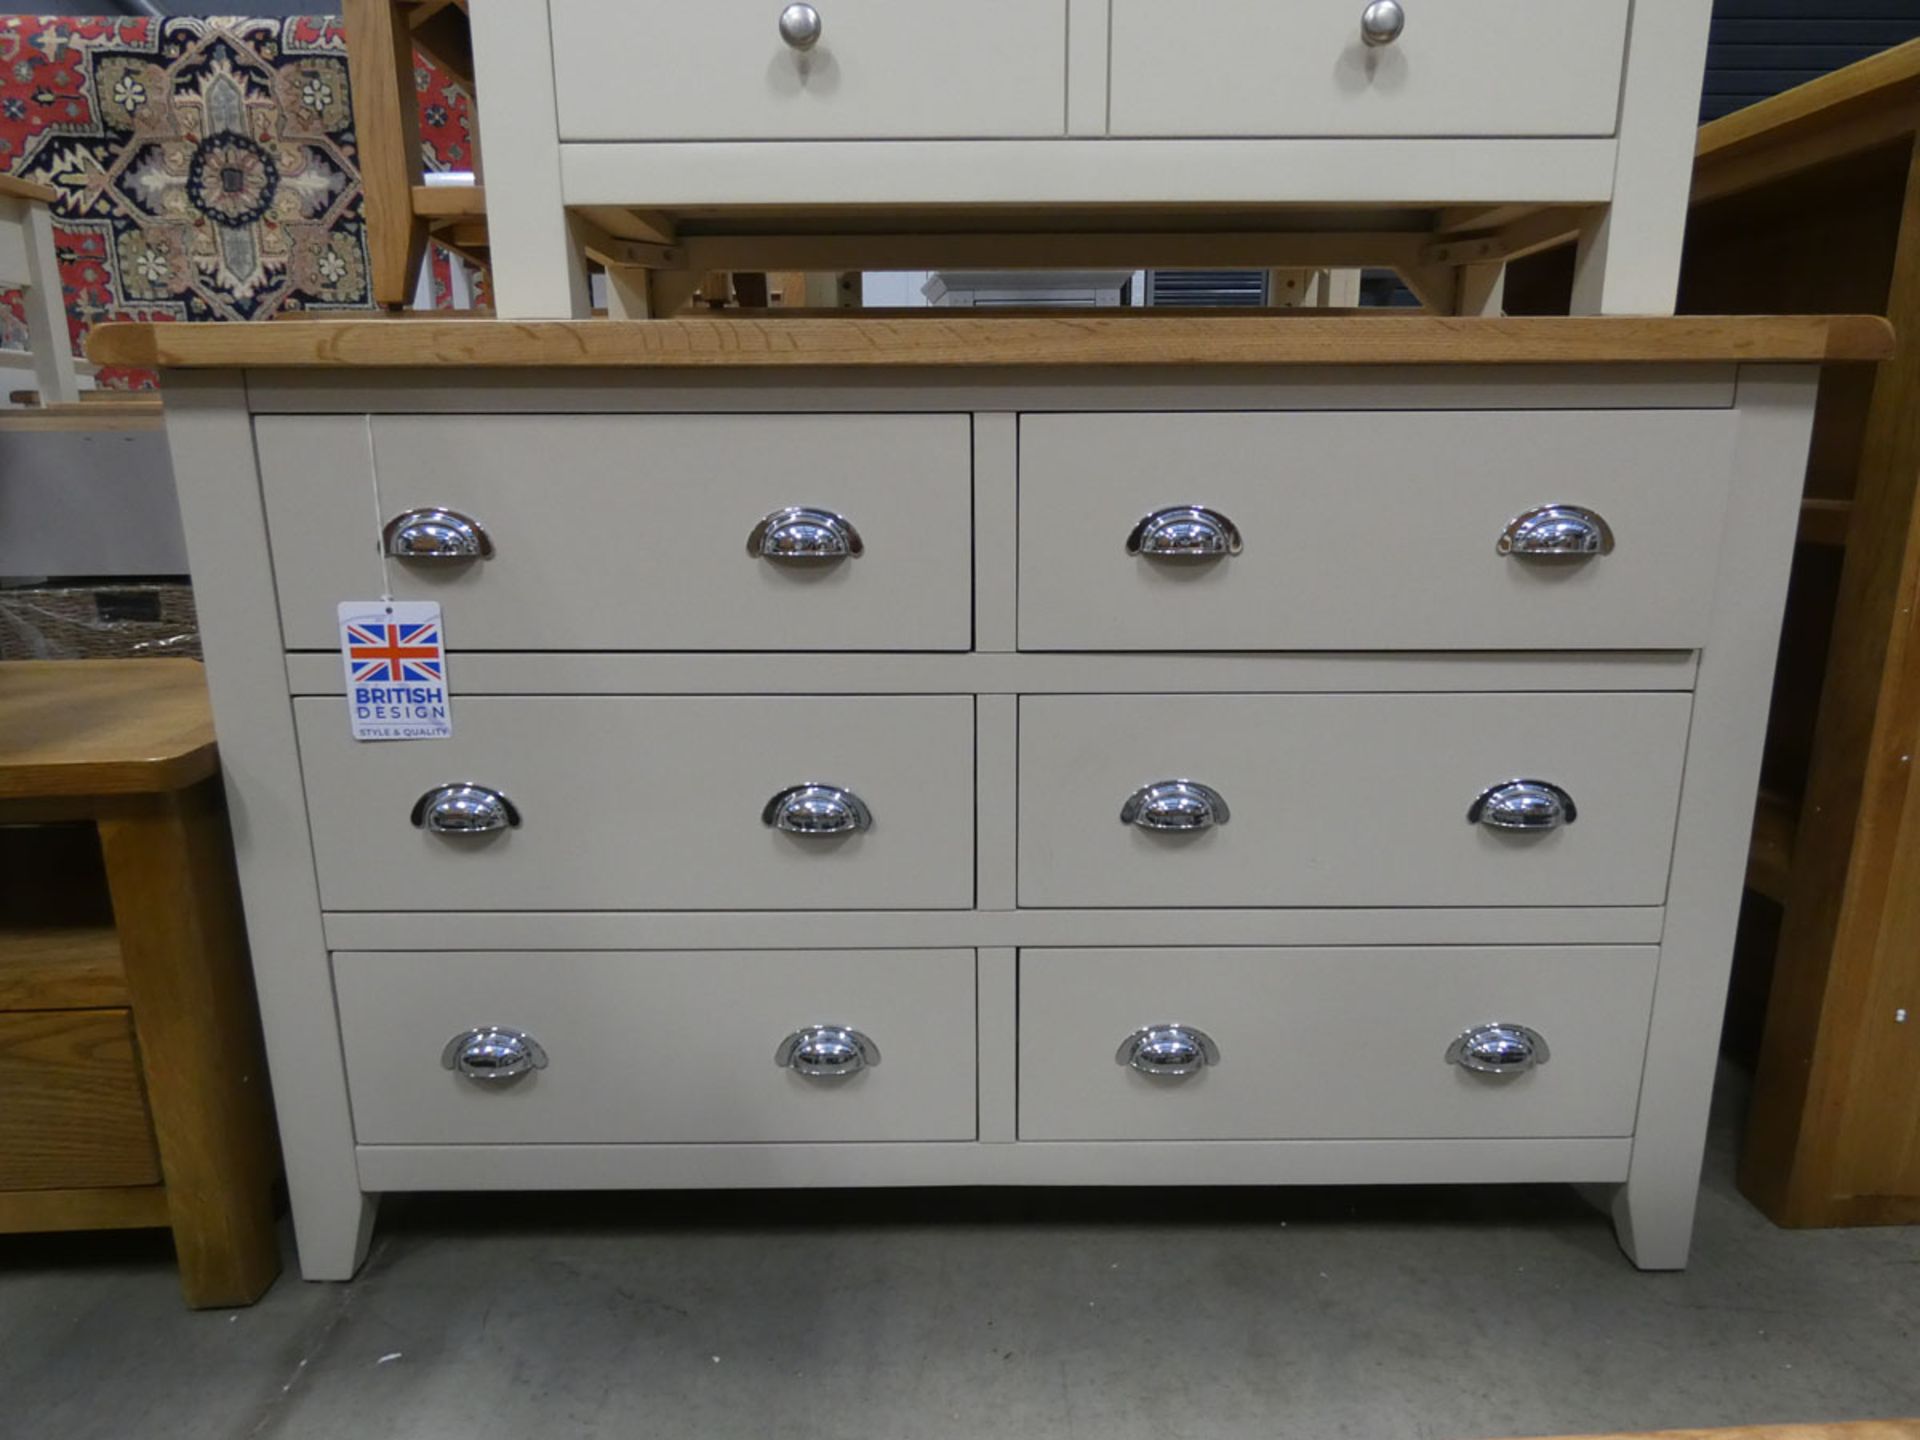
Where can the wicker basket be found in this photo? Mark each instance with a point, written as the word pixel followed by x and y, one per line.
pixel 98 622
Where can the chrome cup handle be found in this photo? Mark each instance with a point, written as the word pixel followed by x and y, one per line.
pixel 1185 534
pixel 1168 1052
pixel 803 535
pixel 493 1055
pixel 1556 532
pixel 464 808
pixel 1532 805
pixel 826 1052
pixel 1499 1048
pixel 1176 806
pixel 817 810
pixel 434 534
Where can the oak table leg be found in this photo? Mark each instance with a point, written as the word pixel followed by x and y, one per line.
pixel 1831 1137
pixel 175 899
pixel 386 119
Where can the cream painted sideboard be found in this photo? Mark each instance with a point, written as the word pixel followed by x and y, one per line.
pixel 1439 138
pixel 1225 752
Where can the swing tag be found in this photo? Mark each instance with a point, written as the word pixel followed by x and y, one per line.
pixel 396 670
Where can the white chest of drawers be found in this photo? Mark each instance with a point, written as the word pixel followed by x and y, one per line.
pixel 1372 849
pixel 1437 137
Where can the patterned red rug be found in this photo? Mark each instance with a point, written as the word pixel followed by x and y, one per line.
pixel 206 168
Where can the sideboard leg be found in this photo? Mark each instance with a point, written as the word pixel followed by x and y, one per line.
pixel 210 435
pixel 1654 1209
pixel 1629 259
pixel 538 270
pixel 333 1226
pixel 1623 267
pixel 628 296
pixel 1654 1224
pixel 1482 290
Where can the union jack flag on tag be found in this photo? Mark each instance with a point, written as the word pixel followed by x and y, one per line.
pixel 393 653
pixel 396 670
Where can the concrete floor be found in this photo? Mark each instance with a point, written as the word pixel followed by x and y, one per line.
pixel 1315 1314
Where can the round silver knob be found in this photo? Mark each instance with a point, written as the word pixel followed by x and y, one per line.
pixel 1523 805
pixel 803 535
pixel 1182 806
pixel 814 809
pixel 1185 533
pixel 435 534
pixel 1499 1048
pixel 1556 532
pixel 800 26
pixel 826 1052
pixel 464 808
pixel 1168 1052
pixel 493 1055
pixel 1382 22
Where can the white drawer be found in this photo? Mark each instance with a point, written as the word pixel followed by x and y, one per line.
pixel 881 69
pixel 654 803
pixel 620 532
pixel 1348 799
pixel 1459 68
pixel 658 1047
pixel 1332 1044
pixel 1365 531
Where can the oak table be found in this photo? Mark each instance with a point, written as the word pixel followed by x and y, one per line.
pixel 1810 202
pixel 132 1090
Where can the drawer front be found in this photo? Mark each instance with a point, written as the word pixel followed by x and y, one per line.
pixel 1459 68
pixel 1363 531
pixel 631 532
pixel 658 1047
pixel 1348 800
pixel 73 1112
pixel 655 803
pixel 880 69
pixel 1332 1044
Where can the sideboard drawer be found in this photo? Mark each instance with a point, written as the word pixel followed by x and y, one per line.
pixel 878 69
pixel 1331 1044
pixel 624 532
pixel 1346 799
pixel 674 1047
pixel 1458 68
pixel 650 803
pixel 1371 530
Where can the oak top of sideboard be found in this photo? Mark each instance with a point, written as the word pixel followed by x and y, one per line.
pixel 960 339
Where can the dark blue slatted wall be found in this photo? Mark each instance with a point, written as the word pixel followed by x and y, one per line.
pixel 1761 47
